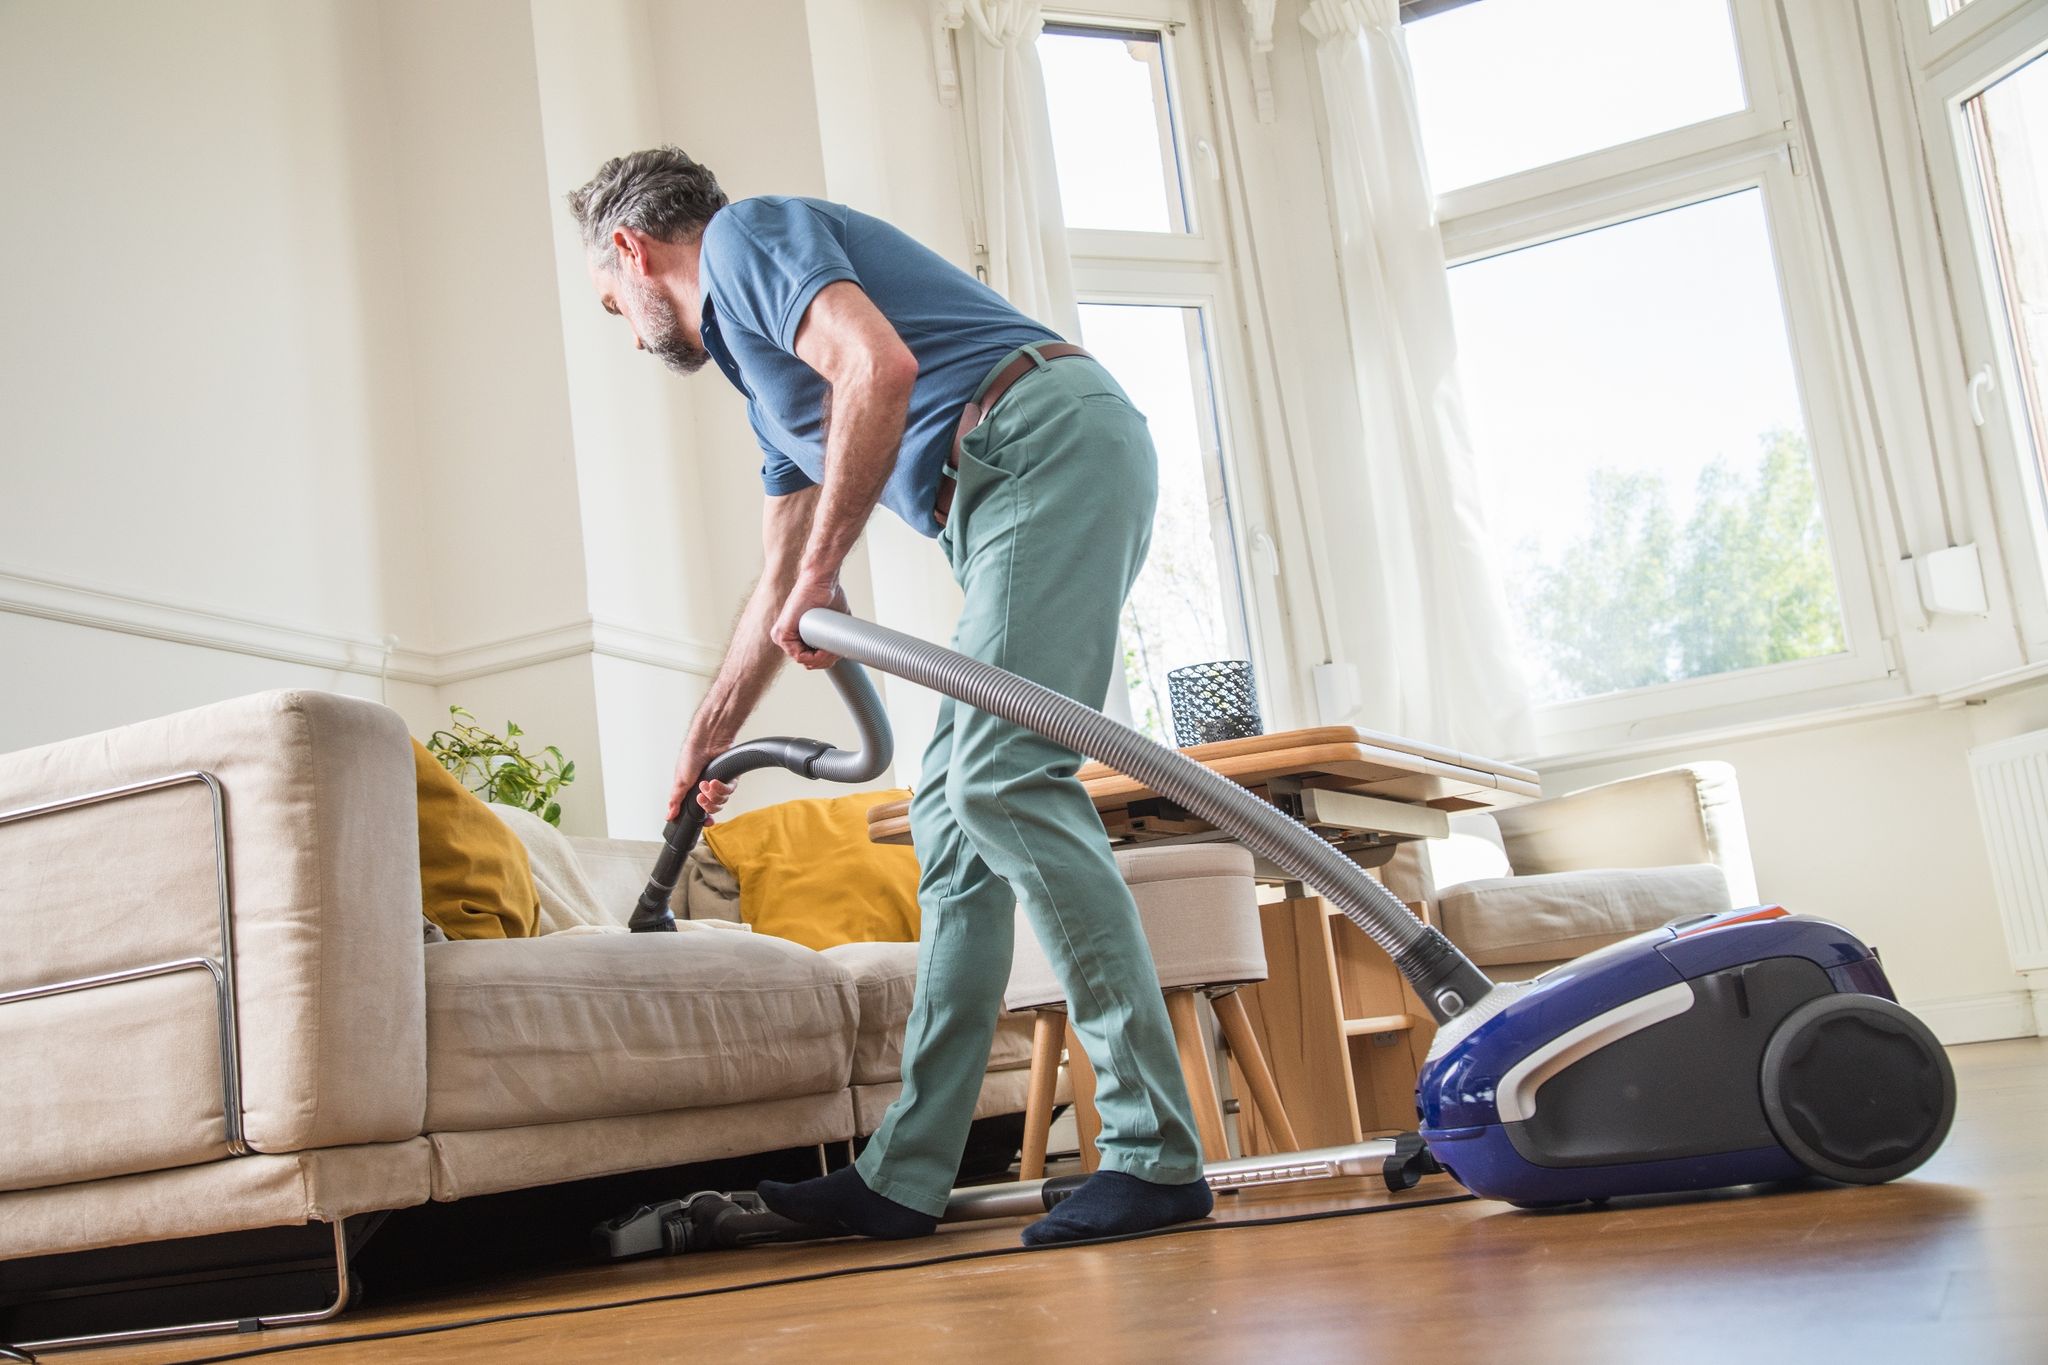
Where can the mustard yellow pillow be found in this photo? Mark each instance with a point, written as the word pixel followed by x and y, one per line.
pixel 475 880
pixel 808 872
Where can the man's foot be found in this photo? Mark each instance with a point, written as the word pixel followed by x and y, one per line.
pixel 1112 1203
pixel 842 1203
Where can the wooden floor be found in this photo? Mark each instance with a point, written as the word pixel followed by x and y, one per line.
pixel 1950 1264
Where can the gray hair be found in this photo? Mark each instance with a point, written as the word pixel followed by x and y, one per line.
pixel 660 192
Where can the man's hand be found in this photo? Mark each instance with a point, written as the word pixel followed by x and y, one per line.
pixel 712 796
pixel 806 594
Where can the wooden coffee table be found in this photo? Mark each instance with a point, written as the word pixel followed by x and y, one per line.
pixel 1342 1032
pixel 1366 791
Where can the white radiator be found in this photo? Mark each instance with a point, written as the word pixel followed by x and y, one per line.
pixel 2011 778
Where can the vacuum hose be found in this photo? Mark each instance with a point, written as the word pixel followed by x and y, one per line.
pixel 1448 982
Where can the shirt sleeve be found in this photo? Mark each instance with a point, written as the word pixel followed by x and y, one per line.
pixel 771 257
pixel 780 475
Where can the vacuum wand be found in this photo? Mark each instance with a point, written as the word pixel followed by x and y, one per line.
pixel 714 1221
pixel 805 757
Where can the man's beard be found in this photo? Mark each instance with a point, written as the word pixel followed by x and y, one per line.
pixel 663 335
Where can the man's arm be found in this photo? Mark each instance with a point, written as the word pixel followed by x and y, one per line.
pixel 845 338
pixel 752 658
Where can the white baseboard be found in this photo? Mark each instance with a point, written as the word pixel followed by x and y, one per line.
pixel 1979 1018
pixel 102 608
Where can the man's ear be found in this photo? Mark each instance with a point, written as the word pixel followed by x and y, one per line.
pixel 632 250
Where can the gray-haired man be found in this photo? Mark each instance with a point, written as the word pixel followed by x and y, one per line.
pixel 877 372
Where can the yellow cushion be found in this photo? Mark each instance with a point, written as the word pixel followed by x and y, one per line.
pixel 809 873
pixel 475 881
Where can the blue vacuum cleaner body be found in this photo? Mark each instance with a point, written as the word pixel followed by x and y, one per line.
pixel 1726 1049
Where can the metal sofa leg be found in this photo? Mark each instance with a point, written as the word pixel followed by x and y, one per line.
pixel 193 1329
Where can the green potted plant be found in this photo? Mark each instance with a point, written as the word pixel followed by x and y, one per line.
pixel 496 769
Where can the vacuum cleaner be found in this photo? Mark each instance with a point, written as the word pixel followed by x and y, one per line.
pixel 1725 1049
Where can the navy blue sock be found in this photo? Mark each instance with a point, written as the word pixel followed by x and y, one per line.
pixel 1110 1203
pixel 841 1202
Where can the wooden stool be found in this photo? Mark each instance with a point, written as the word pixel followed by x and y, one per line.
pixel 1199 909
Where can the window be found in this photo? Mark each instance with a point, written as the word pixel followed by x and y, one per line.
pixel 1643 352
pixel 1635 410
pixel 2008 126
pixel 1112 129
pixel 1506 87
pixel 1939 10
pixel 1984 112
pixel 1179 611
pixel 1153 306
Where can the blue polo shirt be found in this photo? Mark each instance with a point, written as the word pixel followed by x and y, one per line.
pixel 765 259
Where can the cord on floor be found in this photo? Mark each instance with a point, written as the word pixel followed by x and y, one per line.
pixel 848 1272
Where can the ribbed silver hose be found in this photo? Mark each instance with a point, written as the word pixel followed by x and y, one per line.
pixel 1260 826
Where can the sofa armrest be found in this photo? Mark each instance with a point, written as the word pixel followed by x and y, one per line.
pixel 1688 814
pixel 320 868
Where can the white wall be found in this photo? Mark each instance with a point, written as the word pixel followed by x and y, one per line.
pixel 499 522
pixel 203 364
pixel 62 680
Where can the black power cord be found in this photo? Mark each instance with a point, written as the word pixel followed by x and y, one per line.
pixel 848 1272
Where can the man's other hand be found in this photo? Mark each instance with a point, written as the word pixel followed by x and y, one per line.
pixel 804 596
pixel 712 796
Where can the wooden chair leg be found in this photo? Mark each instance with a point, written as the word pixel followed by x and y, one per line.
pixel 1258 1077
pixel 1086 1121
pixel 1045 1080
pixel 1194 1065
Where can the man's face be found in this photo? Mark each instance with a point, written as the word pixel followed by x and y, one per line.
pixel 657 325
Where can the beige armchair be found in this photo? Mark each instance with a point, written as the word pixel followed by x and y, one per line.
pixel 1524 888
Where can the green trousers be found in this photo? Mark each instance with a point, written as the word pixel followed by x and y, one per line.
pixel 1048 528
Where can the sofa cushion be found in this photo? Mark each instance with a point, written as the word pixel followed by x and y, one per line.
pixel 809 873
pixel 568 897
pixel 475 881
pixel 886 976
pixel 1557 915
pixel 570 1027
pixel 617 869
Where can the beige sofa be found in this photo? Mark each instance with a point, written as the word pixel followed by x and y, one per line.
pixel 1524 888
pixel 255 863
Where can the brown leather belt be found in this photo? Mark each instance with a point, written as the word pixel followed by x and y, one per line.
pixel 979 408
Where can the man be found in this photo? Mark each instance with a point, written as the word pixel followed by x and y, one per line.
pixel 876 372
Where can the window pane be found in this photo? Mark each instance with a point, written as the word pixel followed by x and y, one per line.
pixel 1509 85
pixel 1938 10
pixel 2009 125
pixel 1637 417
pixel 1112 129
pixel 1185 608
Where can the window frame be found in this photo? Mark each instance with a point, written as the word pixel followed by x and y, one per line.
pixel 1759 148
pixel 1930 44
pixel 1952 68
pixel 1195 269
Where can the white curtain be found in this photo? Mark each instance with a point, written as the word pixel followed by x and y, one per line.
pixel 1022 226
pixel 1435 657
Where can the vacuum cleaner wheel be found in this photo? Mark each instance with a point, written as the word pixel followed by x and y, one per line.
pixel 1857 1088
